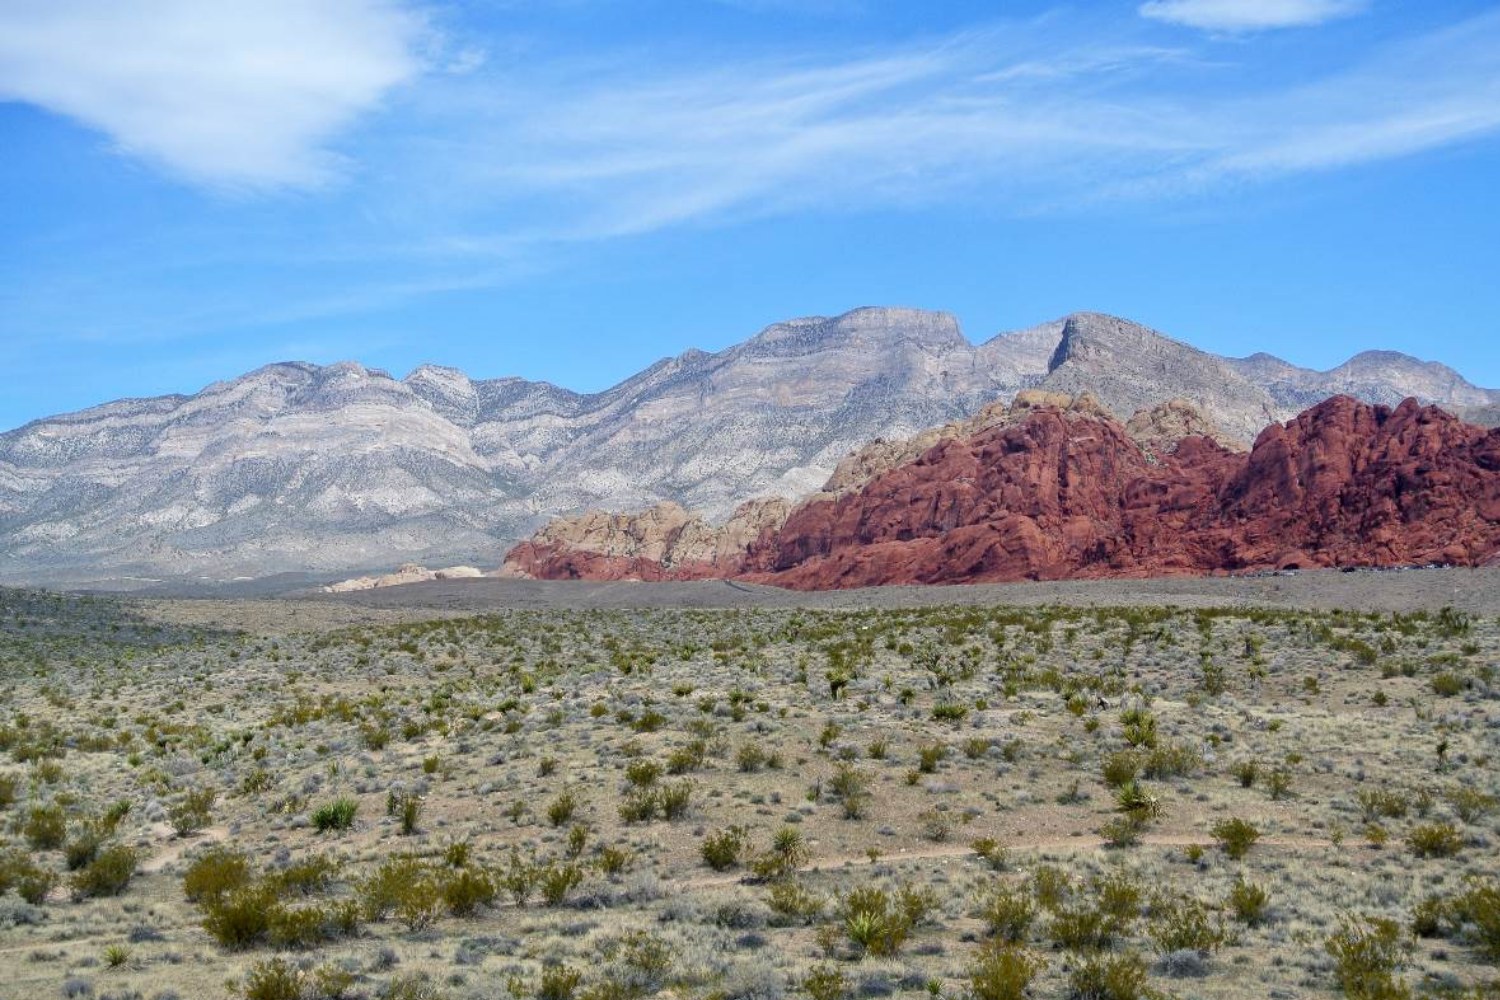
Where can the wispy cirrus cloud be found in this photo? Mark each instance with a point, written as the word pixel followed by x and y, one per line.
pixel 1008 118
pixel 1250 15
pixel 223 94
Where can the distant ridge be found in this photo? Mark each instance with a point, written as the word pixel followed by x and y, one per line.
pixel 334 470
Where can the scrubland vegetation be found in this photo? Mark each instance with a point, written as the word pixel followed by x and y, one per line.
pixel 985 803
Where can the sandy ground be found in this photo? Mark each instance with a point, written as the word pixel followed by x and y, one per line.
pixel 1476 591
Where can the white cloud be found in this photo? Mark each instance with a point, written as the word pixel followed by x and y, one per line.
pixel 1011 120
pixel 1249 15
pixel 235 93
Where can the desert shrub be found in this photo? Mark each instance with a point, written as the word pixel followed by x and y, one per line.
pixel 273 979
pixel 793 902
pixel 335 815
pixel 1279 783
pixel 723 850
pixel 32 882
pixel 45 827
pixel 1172 760
pixel 1138 726
pixel 240 918
pixel 193 811
pixel 874 924
pixel 562 809
pixel 464 890
pixel 937 825
pixel 8 783
pixel 611 860
pixel 107 875
pixel 557 880
pixel 640 805
pixel 1081 927
pixel 1118 895
pixel 1435 840
pixel 298 927
pixel 675 798
pixel 949 712
pixel 1382 803
pixel 1003 972
pixel 1248 902
pixel 642 773
pixel 1007 912
pixel 1366 954
pixel 1121 768
pixel 1051 886
pixel 407 808
pixel 825 983
pixel 420 901
pixel 381 892
pixel 992 851
pixel 83 847
pixel 1137 803
pixel 558 982
pixel 1235 836
pixel 930 756
pixel 1447 684
pixel 1470 804
pixel 1121 831
pixel 307 876
pixel 787 853
pixel 1184 925
pixel 1110 977
pixel 1478 908
pixel 215 873
pixel 1246 772
pixel 851 787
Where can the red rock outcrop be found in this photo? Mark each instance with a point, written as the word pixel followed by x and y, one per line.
pixel 1068 492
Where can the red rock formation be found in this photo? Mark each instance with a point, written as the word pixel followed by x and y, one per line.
pixel 1067 493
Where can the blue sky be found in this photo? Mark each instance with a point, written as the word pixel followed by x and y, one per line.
pixel 570 189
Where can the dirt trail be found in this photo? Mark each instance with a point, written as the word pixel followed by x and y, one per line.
pixel 175 849
pixel 936 852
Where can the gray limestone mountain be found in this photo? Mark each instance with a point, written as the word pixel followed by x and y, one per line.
pixel 327 470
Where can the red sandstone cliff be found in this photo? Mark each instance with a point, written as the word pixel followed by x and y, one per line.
pixel 1068 492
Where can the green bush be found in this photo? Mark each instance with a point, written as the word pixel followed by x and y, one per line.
pixel 1121 768
pixel 558 982
pixel 1003 972
pixel 45 827
pixel 1184 925
pixel 1081 927
pixel 1366 954
pixel 560 810
pixel 1110 977
pixel 1435 840
pixel 1007 912
pixel 724 849
pixel 193 811
pixel 1235 836
pixel 873 923
pixel 335 815
pixel 465 890
pixel 556 881
pixel 675 799
pixel 1479 910
pixel 825 983
pixel 1248 902
pixel 240 918
pixel 273 979
pixel 107 875
pixel 215 873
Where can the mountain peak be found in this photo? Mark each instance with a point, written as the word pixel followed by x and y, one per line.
pixel 869 326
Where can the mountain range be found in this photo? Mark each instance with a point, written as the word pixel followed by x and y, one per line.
pixel 327 470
